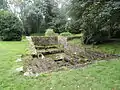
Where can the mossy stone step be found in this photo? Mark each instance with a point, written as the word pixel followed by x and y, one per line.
pixel 56 57
pixel 50 51
pixel 46 47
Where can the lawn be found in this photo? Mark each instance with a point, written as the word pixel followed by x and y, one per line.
pixel 110 48
pixel 99 76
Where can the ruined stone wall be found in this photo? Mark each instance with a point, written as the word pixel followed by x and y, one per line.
pixel 43 41
pixel 62 41
pixel 31 45
pixel 55 58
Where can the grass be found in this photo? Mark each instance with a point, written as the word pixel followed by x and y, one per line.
pixel 110 48
pixel 100 76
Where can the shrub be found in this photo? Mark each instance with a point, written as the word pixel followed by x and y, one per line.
pixel 10 27
pixel 50 33
pixel 66 34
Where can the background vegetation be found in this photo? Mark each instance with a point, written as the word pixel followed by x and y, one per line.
pixel 97 20
pixel 10 27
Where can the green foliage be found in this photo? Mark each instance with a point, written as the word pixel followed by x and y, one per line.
pixel 38 34
pixel 10 27
pixel 50 33
pixel 41 15
pixel 33 21
pixel 59 24
pixel 3 4
pixel 66 34
pixel 98 20
pixel 75 41
pixel 74 27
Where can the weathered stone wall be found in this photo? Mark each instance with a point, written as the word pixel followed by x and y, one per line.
pixel 31 45
pixel 62 41
pixel 44 41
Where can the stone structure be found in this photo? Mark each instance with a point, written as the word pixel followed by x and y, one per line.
pixel 53 53
pixel 45 41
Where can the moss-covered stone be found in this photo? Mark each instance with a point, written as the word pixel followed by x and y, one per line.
pixel 44 41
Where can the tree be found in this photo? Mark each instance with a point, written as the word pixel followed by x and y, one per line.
pixel 10 27
pixel 3 4
pixel 41 15
pixel 98 20
pixel 33 18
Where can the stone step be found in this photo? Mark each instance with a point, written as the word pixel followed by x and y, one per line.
pixel 56 57
pixel 46 47
pixel 50 51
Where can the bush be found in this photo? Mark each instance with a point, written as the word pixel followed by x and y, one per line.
pixel 10 27
pixel 66 34
pixel 50 33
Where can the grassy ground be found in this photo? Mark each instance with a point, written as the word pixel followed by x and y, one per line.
pixel 100 76
pixel 111 47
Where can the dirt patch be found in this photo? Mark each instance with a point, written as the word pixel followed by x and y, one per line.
pixel 47 64
pixel 73 57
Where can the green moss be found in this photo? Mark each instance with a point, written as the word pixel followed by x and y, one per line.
pixel 75 41
pixel 66 34
pixel 50 33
